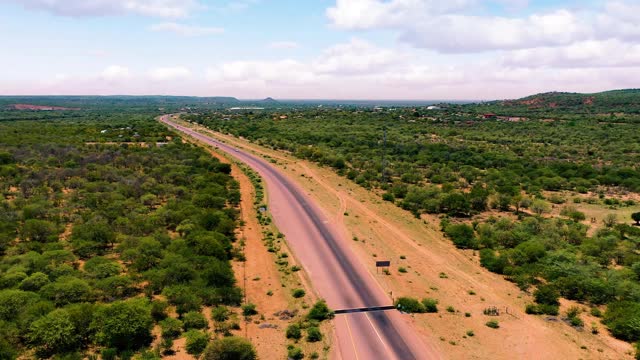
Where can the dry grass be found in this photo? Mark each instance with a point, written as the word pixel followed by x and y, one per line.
pixel 389 232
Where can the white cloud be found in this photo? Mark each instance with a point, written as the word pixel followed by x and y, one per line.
pixel 608 53
pixel 262 72
pixel 155 8
pixel 462 33
pixel 458 27
pixel 169 73
pixel 115 73
pixel 280 45
pixel 356 57
pixel 186 30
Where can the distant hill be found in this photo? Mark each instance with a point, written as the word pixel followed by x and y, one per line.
pixel 612 100
pixel 620 102
pixel 269 100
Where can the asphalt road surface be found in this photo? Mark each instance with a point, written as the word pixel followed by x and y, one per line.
pixel 335 271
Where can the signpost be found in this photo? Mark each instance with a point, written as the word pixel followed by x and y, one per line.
pixel 382 264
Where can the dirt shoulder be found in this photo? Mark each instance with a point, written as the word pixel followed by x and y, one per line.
pixel 436 269
pixel 266 283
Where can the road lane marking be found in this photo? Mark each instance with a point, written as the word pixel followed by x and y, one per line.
pixel 353 342
pixel 384 344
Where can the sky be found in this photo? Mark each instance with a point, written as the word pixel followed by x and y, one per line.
pixel 319 49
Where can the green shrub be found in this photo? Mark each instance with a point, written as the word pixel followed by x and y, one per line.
pixel 220 314
pixel 538 309
pixel 295 353
pixel 197 341
pixel 34 282
pixel 314 334
pixel 7 351
pixel 294 332
pixel 194 320
pixel 171 328
pixel 229 348
pixel 54 333
pixel 12 279
pixel 67 290
pixel 123 324
pixel 547 294
pixel 249 309
pixel 100 267
pixel 492 324
pixel 159 309
pixel 573 315
pixel 430 305
pixel 109 354
pixel 320 311
pixel 409 305
pixel 297 293
pixel 462 235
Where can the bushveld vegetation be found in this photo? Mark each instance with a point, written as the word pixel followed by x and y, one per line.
pixel 110 226
pixel 509 188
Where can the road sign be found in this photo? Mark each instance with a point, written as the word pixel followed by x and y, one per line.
pixel 383 264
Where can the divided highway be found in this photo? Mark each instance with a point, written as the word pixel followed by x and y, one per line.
pixel 335 271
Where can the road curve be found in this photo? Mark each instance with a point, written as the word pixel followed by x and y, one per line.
pixel 333 268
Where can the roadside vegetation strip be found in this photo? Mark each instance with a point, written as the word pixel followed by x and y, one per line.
pixel 115 244
pixel 318 343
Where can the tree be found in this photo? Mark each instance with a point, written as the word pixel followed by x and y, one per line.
pixel 462 235
pixel 547 294
pixel 124 324
pixel 39 230
pixel 81 315
pixel 194 320
pixel 455 204
pixel 409 305
pixel 623 319
pixel 610 220
pixel 13 302
pixel 54 333
pixel 96 230
pixel 636 218
pixel 171 328
pixel 100 267
pixel 540 207
pixel 67 290
pixel 314 334
pixel 320 311
pixel 430 305
pixel 294 332
pixel 196 342
pixel 183 298
pixel 230 348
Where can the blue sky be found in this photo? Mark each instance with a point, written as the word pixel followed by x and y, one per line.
pixel 351 49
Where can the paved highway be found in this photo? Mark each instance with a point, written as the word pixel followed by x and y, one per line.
pixel 334 270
